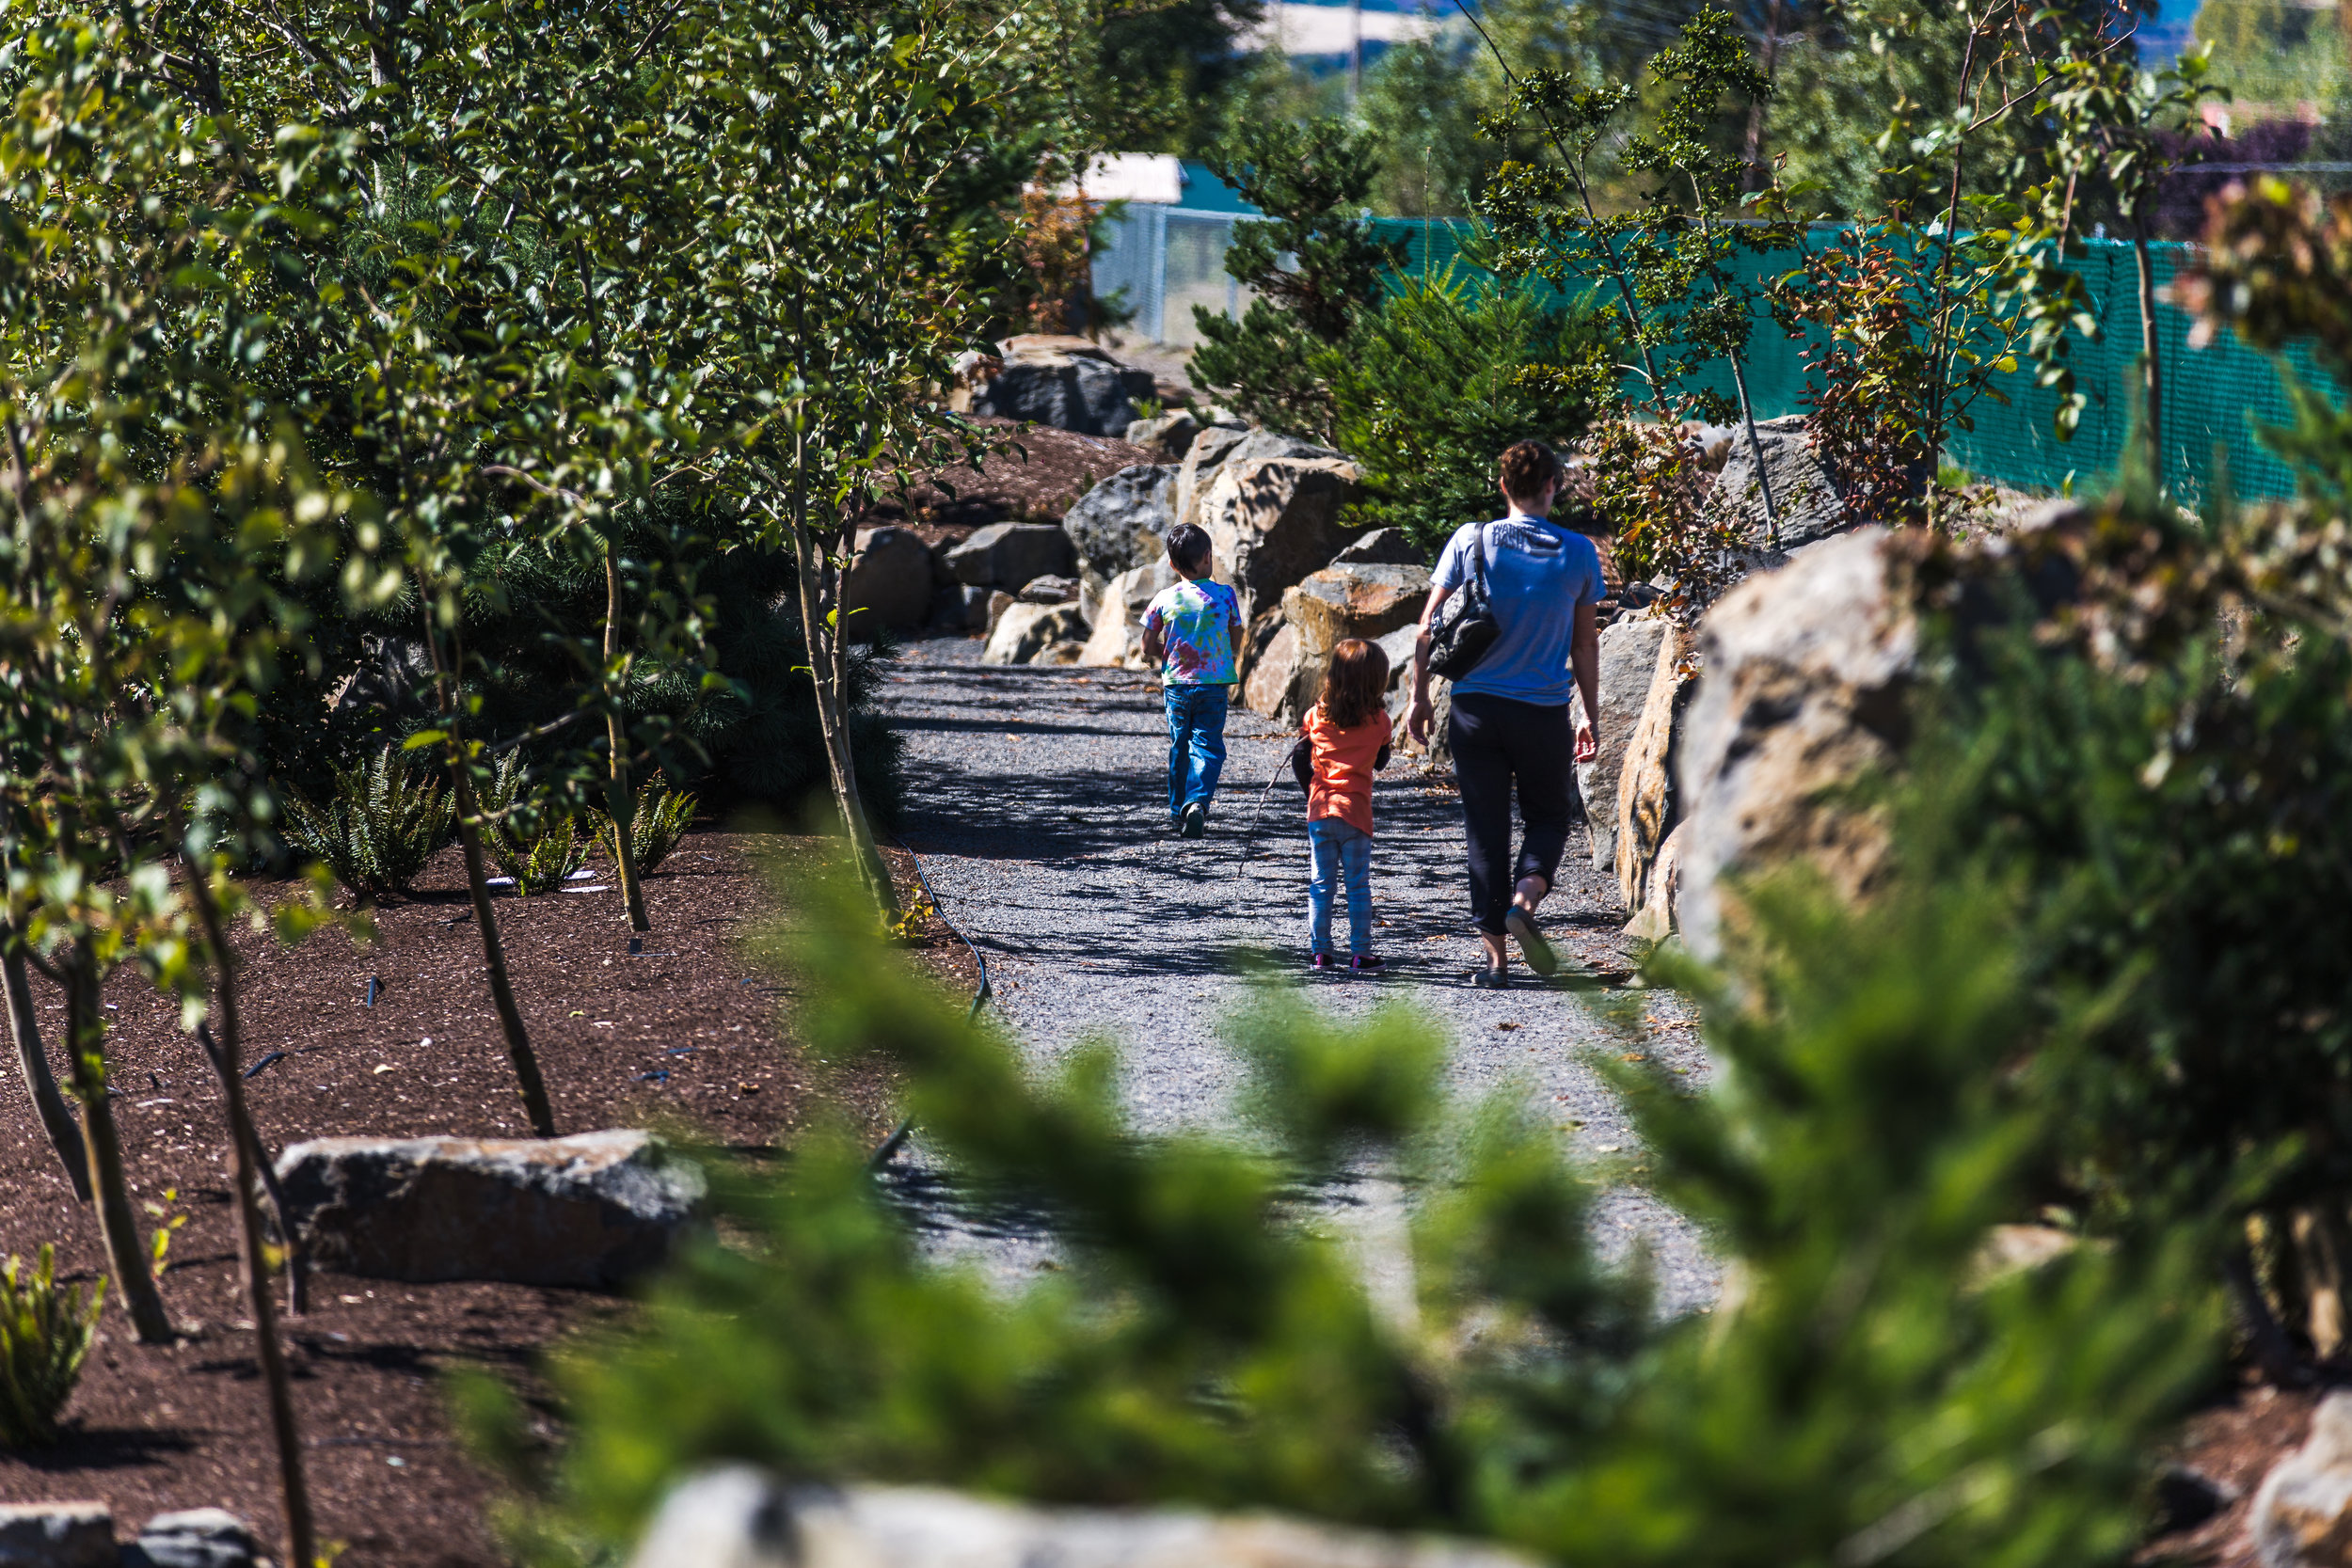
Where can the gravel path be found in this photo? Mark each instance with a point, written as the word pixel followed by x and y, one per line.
pixel 1038 804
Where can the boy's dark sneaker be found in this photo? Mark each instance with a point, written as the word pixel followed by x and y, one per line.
pixel 1367 960
pixel 1322 963
pixel 1483 979
pixel 1195 820
pixel 1533 947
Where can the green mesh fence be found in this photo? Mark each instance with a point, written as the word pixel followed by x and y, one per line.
pixel 2217 397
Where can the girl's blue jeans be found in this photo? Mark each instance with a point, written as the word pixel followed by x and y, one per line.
pixel 1196 744
pixel 1337 849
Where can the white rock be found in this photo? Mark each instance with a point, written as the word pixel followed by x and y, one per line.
pixel 195 1538
pixel 56 1535
pixel 2302 1515
pixel 1022 631
pixel 738 1518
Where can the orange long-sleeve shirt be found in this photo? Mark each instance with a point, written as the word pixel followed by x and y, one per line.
pixel 1344 767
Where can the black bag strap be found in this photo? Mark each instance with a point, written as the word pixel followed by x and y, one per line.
pixel 1478 559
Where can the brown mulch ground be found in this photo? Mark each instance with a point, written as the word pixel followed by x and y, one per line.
pixel 688 1034
pixel 1057 468
pixel 2234 1445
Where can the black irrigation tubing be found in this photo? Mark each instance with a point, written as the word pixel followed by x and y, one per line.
pixel 899 1134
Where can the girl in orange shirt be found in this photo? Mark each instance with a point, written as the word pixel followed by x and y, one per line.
pixel 1347 738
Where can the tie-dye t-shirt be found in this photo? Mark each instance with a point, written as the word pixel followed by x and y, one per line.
pixel 1198 624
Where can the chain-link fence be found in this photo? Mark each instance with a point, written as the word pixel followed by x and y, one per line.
pixel 1160 261
pixel 1155 264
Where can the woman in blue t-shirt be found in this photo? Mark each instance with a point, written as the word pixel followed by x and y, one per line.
pixel 1512 718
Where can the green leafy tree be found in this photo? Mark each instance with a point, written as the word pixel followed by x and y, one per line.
pixel 2117 130
pixel 1312 263
pixel 845 149
pixel 1667 267
pixel 156 502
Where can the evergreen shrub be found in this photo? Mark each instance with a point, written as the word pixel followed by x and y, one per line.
pixel 1443 374
pixel 1864 1392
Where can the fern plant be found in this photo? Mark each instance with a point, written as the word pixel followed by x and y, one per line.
pixel 45 1334
pixel 537 844
pixel 385 822
pixel 656 821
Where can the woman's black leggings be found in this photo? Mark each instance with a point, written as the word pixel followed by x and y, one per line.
pixel 1495 741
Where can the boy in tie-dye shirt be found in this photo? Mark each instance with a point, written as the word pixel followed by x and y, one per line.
pixel 1192 632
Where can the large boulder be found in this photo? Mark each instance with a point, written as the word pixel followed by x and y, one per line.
pixel 1068 382
pixel 890 580
pixel 1628 660
pixel 2302 1515
pixel 1220 445
pixel 1807 675
pixel 1123 523
pixel 1646 801
pixel 1208 449
pixel 1023 631
pixel 194 1538
pixel 1117 639
pixel 592 1210
pixel 1382 546
pixel 1802 491
pixel 1285 677
pixel 737 1516
pixel 1006 555
pixel 56 1535
pixel 1659 915
pixel 1344 601
pixel 1273 520
pixel 1167 436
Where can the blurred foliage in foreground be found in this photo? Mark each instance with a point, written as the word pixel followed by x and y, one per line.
pixel 1865 1393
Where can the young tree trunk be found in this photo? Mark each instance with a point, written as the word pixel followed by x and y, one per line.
pixel 2154 385
pixel 253 1265
pixel 620 801
pixel 297 1256
pixel 1739 385
pixel 1755 450
pixel 1769 58
pixel 118 1224
pixel 827 662
pixel 1937 385
pixel 534 1088
pixel 56 1117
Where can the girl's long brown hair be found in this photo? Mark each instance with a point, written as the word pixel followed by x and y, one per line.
pixel 1357 685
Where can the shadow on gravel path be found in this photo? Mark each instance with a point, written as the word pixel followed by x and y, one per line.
pixel 1037 799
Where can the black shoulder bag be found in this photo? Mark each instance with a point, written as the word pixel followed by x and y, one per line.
pixel 1465 627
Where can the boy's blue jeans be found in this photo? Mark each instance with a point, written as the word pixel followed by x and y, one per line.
pixel 1196 743
pixel 1337 849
